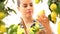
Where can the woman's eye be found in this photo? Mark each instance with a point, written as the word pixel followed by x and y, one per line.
pixel 24 5
pixel 31 4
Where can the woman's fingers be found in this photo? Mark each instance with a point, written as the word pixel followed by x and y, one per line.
pixel 43 19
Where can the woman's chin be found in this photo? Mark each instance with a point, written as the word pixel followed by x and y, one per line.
pixel 29 16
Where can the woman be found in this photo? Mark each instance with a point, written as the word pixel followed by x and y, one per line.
pixel 28 25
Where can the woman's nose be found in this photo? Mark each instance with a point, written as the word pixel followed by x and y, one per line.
pixel 28 7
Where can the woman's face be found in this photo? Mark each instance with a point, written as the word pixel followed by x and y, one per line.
pixel 26 8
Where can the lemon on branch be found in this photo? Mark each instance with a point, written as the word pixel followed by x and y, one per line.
pixel 53 6
pixel 53 16
pixel 2 15
pixel 2 28
pixel 37 1
pixel 54 20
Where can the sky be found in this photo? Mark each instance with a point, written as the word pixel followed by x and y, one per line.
pixel 15 18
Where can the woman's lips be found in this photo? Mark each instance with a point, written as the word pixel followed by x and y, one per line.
pixel 29 12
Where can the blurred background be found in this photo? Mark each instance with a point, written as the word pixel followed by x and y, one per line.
pixel 13 15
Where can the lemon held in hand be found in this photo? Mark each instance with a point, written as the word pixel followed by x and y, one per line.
pixel 41 12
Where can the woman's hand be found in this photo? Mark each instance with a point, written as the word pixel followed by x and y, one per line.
pixel 45 22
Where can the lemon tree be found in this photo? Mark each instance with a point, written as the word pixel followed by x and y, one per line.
pixel 54 6
pixel 3 13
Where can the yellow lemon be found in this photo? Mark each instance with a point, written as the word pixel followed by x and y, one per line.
pixel 54 20
pixel 37 1
pixel 53 6
pixel 53 14
pixel 2 28
pixel 41 12
pixel 2 15
pixel 59 27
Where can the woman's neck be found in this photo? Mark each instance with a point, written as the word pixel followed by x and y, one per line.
pixel 28 21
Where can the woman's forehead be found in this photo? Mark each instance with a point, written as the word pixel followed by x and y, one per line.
pixel 25 1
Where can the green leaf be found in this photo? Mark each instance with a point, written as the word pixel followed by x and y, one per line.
pixel 13 29
pixel 12 26
pixel 49 2
pixel 2 23
pixel 59 7
pixel 2 6
pixel 10 10
pixel 2 1
pixel 49 17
